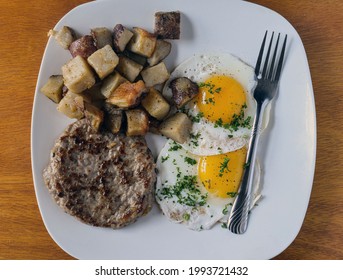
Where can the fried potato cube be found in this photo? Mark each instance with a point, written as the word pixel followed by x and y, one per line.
pixel 78 75
pixel 94 115
pixel 162 50
pixel 111 83
pixel 176 127
pixel 121 36
pixel 53 88
pixel 102 36
pixel 64 37
pixel 155 75
pixel 167 25
pixel 183 90
pixel 83 46
pixel 155 104
pixel 137 122
pixel 129 68
pixel 127 94
pixel 103 61
pixel 113 121
pixel 142 42
pixel 72 105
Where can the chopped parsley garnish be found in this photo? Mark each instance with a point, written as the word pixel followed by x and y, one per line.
pixel 178 175
pixel 245 165
pixel 226 209
pixel 190 161
pixel 224 225
pixel 210 87
pixel 186 191
pixel 163 159
pixel 231 194
pixel 226 126
pixel 236 122
pixel 240 120
pixel 186 216
pixel 218 123
pixel 210 101
pixel 224 166
pixel 175 147
pixel 195 138
pixel 197 118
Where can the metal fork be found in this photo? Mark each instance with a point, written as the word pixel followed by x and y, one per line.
pixel 268 78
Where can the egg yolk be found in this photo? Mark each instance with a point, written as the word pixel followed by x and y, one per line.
pixel 220 97
pixel 221 174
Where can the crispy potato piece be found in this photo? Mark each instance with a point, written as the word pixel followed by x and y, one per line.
pixel 137 122
pixel 53 88
pixel 94 115
pixel 64 37
pixel 73 105
pixel 162 50
pixel 142 42
pixel 83 47
pixel 183 90
pixel 103 61
pixel 155 104
pixel 167 25
pixel 155 75
pixel 121 36
pixel 176 127
pixel 78 75
pixel 102 36
pixel 129 68
pixel 111 83
pixel 114 120
pixel 127 94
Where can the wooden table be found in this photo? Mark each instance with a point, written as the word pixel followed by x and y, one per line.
pixel 24 25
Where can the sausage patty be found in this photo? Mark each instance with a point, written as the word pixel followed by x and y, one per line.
pixel 102 179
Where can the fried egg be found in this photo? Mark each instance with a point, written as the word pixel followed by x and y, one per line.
pixel 198 191
pixel 199 179
pixel 223 111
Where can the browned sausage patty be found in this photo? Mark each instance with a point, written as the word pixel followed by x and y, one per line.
pixel 102 179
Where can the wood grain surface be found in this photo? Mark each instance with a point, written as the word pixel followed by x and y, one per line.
pixel 24 26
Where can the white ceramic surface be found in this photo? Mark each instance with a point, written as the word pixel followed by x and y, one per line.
pixel 288 146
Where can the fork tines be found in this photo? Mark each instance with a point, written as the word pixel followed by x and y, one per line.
pixel 267 71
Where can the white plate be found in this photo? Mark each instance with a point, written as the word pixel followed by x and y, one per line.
pixel 287 154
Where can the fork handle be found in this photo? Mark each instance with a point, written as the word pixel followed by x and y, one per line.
pixel 238 219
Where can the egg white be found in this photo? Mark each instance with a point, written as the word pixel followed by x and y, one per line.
pixel 207 139
pixel 172 166
pixel 212 140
